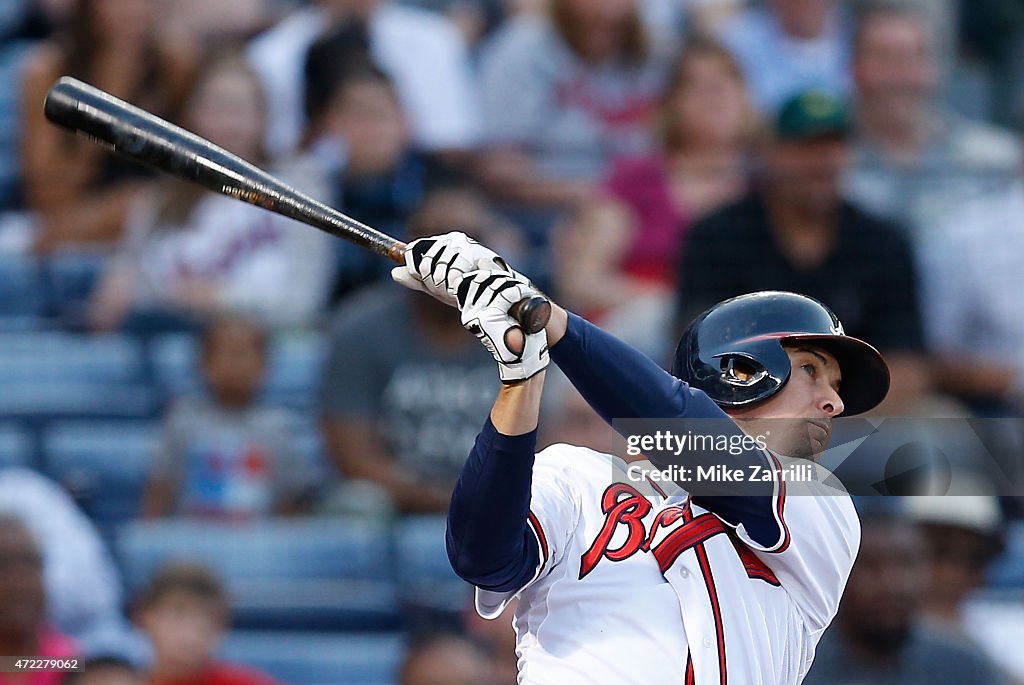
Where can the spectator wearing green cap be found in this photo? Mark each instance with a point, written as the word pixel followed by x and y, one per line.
pixel 795 232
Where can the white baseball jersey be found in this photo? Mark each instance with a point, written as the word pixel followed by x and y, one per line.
pixel 638 584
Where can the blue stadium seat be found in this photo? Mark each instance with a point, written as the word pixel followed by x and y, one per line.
pixel 16 446
pixel 174 361
pixel 51 355
pixel 319 658
pixel 71 277
pixel 21 292
pixel 294 367
pixel 427 577
pixel 12 61
pixel 104 464
pixel 55 375
pixel 297 573
pixel 42 401
pixel 1008 569
pixel 309 442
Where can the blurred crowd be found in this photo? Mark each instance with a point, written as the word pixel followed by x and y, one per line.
pixel 640 160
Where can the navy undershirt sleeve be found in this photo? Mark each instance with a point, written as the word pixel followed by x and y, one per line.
pixel 620 382
pixel 488 540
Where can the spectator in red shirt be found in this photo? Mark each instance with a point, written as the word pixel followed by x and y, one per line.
pixel 24 630
pixel 185 613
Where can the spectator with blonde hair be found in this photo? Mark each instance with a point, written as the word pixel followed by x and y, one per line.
pixel 625 245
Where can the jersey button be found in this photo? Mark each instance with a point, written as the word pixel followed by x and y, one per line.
pixel 684 572
pixel 707 642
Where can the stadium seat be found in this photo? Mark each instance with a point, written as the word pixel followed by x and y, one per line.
pixel 51 355
pixel 70 278
pixel 102 463
pixel 12 62
pixel 295 366
pixel 55 375
pixel 173 361
pixel 319 658
pixel 16 447
pixel 309 443
pixel 21 292
pixel 43 401
pixel 297 573
pixel 427 577
pixel 1008 570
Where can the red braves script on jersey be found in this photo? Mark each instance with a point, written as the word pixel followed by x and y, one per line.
pixel 639 584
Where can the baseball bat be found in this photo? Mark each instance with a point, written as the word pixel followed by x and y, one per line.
pixel 146 138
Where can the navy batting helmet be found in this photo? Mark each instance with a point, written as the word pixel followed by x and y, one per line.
pixel 749 332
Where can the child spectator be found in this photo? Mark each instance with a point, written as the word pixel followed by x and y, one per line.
pixel 360 136
pixel 222 455
pixel 189 253
pixel 421 50
pixel 185 613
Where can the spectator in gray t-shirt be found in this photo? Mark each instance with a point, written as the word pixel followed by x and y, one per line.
pixel 406 388
pixel 222 455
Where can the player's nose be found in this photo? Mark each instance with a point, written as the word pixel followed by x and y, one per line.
pixel 830 402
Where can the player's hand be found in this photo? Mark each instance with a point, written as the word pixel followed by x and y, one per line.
pixel 484 298
pixel 436 265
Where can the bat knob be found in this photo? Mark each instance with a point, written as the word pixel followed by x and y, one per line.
pixel 532 313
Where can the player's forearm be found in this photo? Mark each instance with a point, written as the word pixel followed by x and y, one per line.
pixel 488 541
pixel 517 408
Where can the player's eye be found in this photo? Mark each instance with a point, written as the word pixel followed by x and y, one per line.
pixel 809 368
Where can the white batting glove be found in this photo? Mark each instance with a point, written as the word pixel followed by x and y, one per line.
pixel 484 298
pixel 436 265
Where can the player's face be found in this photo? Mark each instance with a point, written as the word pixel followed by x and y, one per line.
pixel 797 422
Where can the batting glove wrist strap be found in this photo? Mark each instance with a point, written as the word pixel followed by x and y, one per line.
pixel 484 298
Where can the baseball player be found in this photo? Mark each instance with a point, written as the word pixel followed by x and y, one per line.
pixel 638 583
